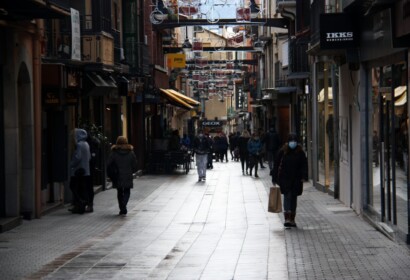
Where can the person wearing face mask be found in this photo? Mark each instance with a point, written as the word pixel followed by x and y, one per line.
pixel 289 172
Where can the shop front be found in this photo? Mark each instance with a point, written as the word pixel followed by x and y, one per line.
pixel 387 194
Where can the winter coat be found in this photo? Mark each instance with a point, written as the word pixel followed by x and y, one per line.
pixel 254 146
pixel 243 145
pixel 123 156
pixel 272 142
pixel 81 157
pixel 290 170
pixel 202 145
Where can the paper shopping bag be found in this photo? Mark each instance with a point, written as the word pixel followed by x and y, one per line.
pixel 275 200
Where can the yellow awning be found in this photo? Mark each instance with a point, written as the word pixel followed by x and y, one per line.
pixel 175 100
pixel 189 100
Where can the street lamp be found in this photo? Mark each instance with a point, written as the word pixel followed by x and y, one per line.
pixel 186 46
pixel 259 46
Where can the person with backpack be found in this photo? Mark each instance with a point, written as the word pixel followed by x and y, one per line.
pixel 201 149
pixel 121 165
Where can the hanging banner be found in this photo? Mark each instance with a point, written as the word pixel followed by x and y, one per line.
pixel 75 35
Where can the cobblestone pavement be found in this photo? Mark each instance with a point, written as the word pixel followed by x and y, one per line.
pixel 178 228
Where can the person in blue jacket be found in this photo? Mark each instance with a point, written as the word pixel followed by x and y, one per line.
pixel 254 150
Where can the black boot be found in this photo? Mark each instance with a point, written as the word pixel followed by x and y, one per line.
pixel 287 222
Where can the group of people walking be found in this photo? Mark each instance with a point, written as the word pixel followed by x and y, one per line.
pixel 287 164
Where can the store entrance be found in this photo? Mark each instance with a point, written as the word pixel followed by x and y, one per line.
pixel 388 197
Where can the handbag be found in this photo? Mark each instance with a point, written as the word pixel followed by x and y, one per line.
pixel 275 200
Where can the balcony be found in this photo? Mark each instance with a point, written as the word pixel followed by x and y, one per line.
pixel 298 58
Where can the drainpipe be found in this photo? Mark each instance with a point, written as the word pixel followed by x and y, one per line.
pixel 37 115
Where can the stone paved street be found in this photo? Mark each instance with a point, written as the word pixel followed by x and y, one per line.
pixel 178 228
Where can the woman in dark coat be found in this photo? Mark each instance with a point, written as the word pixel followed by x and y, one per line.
pixel 289 172
pixel 122 155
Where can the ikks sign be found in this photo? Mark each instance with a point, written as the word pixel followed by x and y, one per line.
pixel 338 31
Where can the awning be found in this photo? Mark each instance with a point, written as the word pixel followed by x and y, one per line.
pixel 187 99
pixel 100 86
pixel 401 100
pixel 175 100
pixel 321 96
pixel 398 91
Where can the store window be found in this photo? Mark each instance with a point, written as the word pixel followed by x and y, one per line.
pixel 389 127
pixel 325 131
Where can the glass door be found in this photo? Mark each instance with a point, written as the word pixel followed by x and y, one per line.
pixel 389 124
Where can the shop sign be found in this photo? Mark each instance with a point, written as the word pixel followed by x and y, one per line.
pixel 338 31
pixel 176 60
pixel 51 97
pixel 211 123
pixel 71 97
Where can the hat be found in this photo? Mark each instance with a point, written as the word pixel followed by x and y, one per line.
pixel 292 137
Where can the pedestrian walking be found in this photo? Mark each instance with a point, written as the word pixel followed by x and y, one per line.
pixel 80 171
pixel 224 146
pixel 243 151
pixel 289 172
pixel 272 142
pixel 210 165
pixel 254 150
pixel 123 158
pixel 262 137
pixel 201 149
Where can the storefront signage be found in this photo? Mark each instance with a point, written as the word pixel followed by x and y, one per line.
pixel 176 60
pixel 211 123
pixel 51 97
pixel 338 31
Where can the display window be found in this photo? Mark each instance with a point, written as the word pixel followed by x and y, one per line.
pixel 325 131
pixel 389 122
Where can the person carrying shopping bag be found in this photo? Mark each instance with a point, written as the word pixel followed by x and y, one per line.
pixel 289 172
pixel 122 159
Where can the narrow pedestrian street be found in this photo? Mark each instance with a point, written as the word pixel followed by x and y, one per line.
pixel 178 228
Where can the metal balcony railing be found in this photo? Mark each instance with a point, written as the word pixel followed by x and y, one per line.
pixel 298 57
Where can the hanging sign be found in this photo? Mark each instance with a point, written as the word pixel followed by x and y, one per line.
pixel 338 31
pixel 176 60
